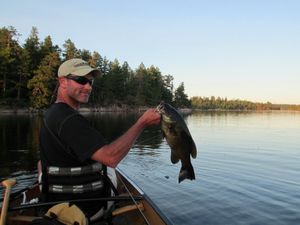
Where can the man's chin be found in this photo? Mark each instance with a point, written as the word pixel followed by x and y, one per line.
pixel 83 101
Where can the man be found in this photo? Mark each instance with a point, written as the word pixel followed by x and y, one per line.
pixel 67 139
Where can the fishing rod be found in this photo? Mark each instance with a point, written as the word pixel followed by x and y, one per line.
pixel 42 204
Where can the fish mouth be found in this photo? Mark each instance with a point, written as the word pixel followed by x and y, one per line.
pixel 161 108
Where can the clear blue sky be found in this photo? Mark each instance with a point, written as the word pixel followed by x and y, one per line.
pixel 245 49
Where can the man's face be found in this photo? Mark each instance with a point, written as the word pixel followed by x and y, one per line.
pixel 78 88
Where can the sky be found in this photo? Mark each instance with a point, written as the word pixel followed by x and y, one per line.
pixel 242 49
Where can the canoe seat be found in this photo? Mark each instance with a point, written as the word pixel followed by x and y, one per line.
pixel 128 208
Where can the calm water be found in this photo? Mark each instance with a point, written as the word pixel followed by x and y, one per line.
pixel 247 169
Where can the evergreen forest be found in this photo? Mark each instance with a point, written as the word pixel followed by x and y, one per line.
pixel 28 75
pixel 28 79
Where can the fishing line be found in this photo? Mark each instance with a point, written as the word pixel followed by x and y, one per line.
pixel 148 139
pixel 132 198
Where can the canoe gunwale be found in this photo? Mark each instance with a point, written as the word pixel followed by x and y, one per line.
pixel 146 198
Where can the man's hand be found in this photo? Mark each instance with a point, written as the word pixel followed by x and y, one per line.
pixel 150 117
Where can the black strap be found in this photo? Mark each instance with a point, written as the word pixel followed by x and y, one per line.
pixel 53 135
pixel 57 140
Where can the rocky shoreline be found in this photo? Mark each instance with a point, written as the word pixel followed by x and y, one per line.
pixel 84 109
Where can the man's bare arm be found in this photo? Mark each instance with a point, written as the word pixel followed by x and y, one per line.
pixel 111 154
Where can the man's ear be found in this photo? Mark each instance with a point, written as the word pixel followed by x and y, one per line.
pixel 62 82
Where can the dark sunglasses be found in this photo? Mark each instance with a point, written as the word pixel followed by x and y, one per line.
pixel 81 80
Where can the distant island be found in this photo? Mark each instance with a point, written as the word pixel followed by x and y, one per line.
pixel 218 103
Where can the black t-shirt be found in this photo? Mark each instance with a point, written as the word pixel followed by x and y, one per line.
pixel 71 140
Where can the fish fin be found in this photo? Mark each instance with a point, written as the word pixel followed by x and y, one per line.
pixel 186 173
pixel 174 158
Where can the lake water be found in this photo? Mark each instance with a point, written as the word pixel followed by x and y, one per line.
pixel 247 168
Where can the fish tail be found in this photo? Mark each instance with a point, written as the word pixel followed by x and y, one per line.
pixel 186 173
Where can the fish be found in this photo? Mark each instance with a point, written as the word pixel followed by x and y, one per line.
pixel 179 139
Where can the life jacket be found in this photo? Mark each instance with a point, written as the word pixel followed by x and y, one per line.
pixel 69 183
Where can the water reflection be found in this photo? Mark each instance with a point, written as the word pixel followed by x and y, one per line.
pixel 19 143
pixel 113 125
pixel 247 168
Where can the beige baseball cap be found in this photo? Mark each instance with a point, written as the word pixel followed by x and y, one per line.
pixel 77 67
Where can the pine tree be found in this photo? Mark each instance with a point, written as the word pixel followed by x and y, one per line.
pixel 44 81
pixel 180 98
pixel 70 51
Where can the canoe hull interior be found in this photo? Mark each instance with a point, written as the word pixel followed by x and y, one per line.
pixel 139 211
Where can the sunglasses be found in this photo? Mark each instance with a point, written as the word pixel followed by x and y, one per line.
pixel 81 80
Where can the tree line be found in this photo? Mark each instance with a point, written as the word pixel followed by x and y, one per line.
pixel 28 78
pixel 28 75
pixel 218 103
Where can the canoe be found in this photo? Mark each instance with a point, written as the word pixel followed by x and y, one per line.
pixel 132 205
